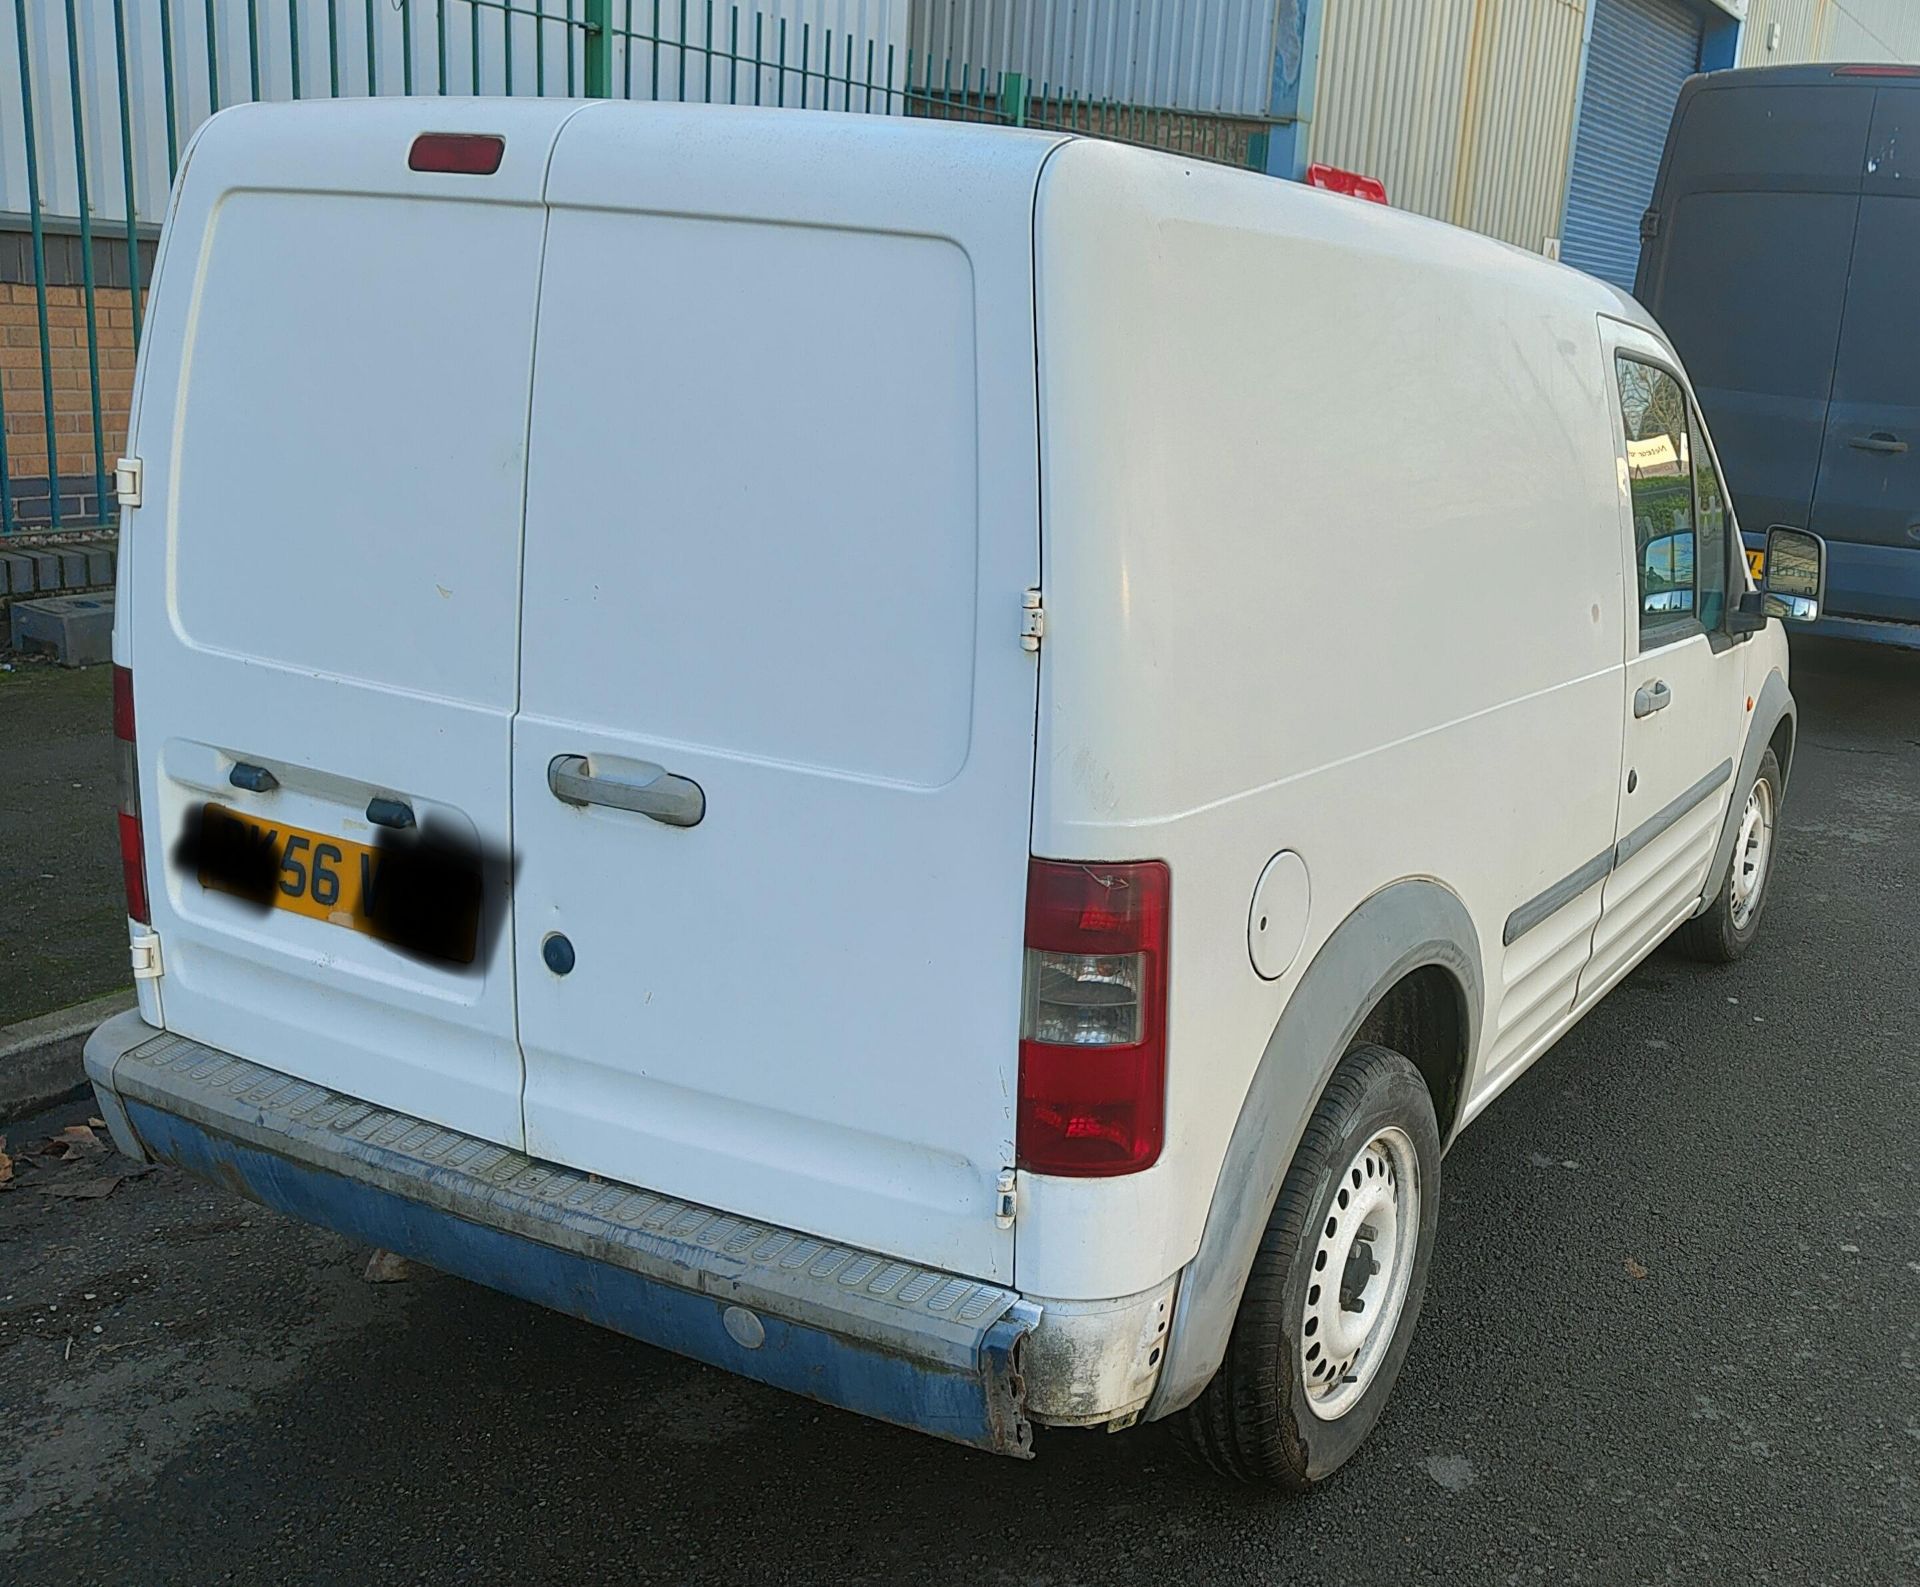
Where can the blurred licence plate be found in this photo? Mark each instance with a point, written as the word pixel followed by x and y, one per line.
pixel 1757 565
pixel 325 878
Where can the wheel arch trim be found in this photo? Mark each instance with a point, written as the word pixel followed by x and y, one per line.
pixel 1773 705
pixel 1406 926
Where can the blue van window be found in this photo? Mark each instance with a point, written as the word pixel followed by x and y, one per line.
pixel 1660 476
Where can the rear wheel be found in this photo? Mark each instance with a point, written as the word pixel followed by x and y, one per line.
pixel 1727 927
pixel 1336 1285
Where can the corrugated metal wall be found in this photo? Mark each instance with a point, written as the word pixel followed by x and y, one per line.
pixel 1393 82
pixel 1640 53
pixel 1799 24
pixel 1871 30
pixel 1831 30
pixel 1515 168
pixel 334 54
pixel 1463 107
pixel 1208 55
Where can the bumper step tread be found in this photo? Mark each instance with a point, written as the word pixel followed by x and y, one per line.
pixel 938 1329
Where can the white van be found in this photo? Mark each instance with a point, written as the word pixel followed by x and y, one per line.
pixel 932 764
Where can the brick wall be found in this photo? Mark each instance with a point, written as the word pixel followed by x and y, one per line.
pixel 23 396
pixel 61 261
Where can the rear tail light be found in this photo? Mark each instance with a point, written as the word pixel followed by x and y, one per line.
pixel 133 866
pixel 459 153
pixel 1093 1028
pixel 1876 71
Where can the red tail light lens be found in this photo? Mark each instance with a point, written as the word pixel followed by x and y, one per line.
pixel 133 865
pixel 1093 1030
pixel 1876 71
pixel 460 153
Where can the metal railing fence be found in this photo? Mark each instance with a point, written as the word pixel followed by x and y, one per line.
pixel 107 93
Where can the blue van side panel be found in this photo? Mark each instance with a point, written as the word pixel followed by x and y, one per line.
pixel 1779 265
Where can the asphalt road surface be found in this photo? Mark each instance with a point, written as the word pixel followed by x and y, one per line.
pixel 1671 1335
pixel 63 927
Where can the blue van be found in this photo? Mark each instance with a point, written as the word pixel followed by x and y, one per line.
pixel 1781 254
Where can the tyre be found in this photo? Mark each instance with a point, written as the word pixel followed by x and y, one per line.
pixel 1336 1285
pixel 1727 927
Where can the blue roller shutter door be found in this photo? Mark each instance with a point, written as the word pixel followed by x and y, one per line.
pixel 1640 53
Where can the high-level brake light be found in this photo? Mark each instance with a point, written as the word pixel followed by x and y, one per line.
pixel 461 153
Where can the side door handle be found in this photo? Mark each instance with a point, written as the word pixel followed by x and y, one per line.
pixel 1651 697
pixel 643 787
pixel 1878 441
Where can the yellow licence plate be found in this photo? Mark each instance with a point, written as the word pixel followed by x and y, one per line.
pixel 1757 565
pixel 421 897
pixel 312 874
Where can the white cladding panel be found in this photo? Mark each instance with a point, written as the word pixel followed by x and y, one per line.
pixel 1871 30
pixel 1463 108
pixel 1204 55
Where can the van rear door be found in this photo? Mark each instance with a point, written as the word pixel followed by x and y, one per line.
pixel 781 513
pixel 1868 495
pixel 325 585
pixel 1745 267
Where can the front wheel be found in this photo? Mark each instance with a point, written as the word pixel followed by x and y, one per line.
pixel 1727 927
pixel 1329 1306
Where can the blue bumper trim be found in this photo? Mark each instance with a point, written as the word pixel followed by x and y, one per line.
pixel 804 1360
pixel 906 1344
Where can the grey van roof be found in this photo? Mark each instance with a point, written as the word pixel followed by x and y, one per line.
pixel 1805 76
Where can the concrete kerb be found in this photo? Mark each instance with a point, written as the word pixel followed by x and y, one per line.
pixel 40 1059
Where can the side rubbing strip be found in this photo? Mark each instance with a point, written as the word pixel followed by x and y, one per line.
pixel 1672 811
pixel 1563 892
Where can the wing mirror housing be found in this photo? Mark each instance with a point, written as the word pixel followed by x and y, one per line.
pixel 1793 581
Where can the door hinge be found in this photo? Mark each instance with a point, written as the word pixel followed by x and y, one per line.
pixel 1033 621
pixel 1650 225
pixel 1006 1199
pixel 146 957
pixel 126 481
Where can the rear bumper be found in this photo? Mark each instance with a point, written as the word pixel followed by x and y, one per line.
pixel 922 1349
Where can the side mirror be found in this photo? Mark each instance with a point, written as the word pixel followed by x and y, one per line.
pixel 1793 579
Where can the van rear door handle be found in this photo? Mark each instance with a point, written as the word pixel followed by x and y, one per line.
pixel 641 786
pixel 1651 697
pixel 1879 441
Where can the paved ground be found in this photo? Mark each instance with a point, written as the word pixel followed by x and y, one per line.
pixel 194 1391
pixel 63 928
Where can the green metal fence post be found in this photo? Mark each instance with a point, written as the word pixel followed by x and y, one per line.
pixel 166 81
pixel 213 63
pixel 1013 98
pixel 86 253
pixel 597 47
pixel 121 81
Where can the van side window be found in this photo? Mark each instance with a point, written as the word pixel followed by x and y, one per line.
pixel 1660 476
pixel 1710 510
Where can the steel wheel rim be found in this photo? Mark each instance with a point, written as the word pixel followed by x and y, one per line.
pixel 1362 1265
pixel 1752 853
